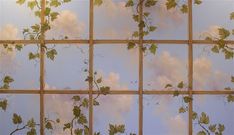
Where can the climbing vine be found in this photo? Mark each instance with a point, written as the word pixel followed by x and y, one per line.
pixel 78 125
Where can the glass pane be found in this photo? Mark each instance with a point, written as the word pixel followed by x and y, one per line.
pixel 218 111
pixel 15 18
pixel 124 112
pixel 24 106
pixel 167 66
pixel 161 116
pixel 211 15
pixel 112 20
pixel 171 24
pixel 72 21
pixel 66 114
pixel 211 70
pixel 18 65
pixel 67 70
pixel 117 65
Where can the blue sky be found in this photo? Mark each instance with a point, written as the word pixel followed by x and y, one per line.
pixel 119 67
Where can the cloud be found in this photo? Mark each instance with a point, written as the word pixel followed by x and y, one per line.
pixel 211 32
pixel 7 58
pixel 165 69
pixel 67 24
pixel 121 103
pixel 113 20
pixel 177 125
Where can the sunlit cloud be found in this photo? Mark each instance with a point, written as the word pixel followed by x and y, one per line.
pixel 67 24
pixel 7 58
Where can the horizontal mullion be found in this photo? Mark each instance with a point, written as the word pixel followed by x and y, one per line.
pixel 113 92
pixel 114 41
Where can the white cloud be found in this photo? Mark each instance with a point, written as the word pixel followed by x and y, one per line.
pixel 121 103
pixel 7 58
pixel 211 32
pixel 67 24
pixel 165 69
pixel 177 125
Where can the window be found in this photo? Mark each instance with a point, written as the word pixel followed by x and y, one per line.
pixel 97 67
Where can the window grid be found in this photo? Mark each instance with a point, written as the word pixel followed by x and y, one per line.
pixel 91 42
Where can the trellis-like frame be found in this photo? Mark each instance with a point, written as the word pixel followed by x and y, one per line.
pixel 91 42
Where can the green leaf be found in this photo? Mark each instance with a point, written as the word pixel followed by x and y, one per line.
pixel 32 4
pixel 82 119
pixel 129 3
pixel 32 131
pixel 49 126
pixel 152 28
pixel 31 123
pixel 8 79
pixel 141 24
pixel 114 129
pixel 135 34
pixel 230 98
pixel 221 128
pixel 180 85
pixel 20 2
pixel 16 119
pixel 98 2
pixel 168 86
pixel 78 131
pixel 215 49
pixel 32 56
pixel 51 54
pixel 135 17
pixel 95 103
pixel 99 80
pixel 198 2
pixel 150 3
pixel 131 45
pixel 105 90
pixel 171 4
pixel 212 128
pixel 19 47
pixel 76 98
pixel 184 8
pixel 66 1
pixel 47 11
pixel 55 3
pixel 153 48
pixel 66 126
pixel 3 104
pixel 182 110
pixel 204 119
pixel 76 111
pixel 232 16
pixel 187 99
pixel 54 15
pixel 201 133
pixel 194 116
pixel 223 33
pixel 36 28
pixel 85 103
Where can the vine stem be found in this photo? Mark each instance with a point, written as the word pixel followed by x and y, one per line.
pixel 204 128
pixel 22 128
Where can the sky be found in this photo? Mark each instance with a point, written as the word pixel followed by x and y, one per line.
pixel 119 66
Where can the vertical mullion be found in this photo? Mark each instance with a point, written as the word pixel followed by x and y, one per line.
pixel 42 67
pixel 91 67
pixel 140 85
pixel 190 65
